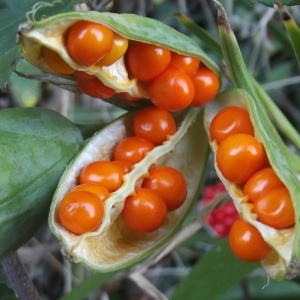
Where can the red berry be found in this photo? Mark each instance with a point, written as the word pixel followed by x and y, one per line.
pixel 220 219
pixel 209 193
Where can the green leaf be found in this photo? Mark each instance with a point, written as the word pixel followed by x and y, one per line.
pixel 7 293
pixel 293 31
pixel 199 33
pixel 36 145
pixel 214 274
pixel 12 14
pixel 232 54
pixel 6 61
pixel 278 118
pixel 272 3
pixel 88 285
pixel 263 288
pixel 27 92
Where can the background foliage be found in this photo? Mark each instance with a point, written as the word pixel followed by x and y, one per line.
pixel 202 264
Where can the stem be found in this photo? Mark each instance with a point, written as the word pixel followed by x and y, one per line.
pixel 200 33
pixel 278 117
pixel 239 76
pixel 242 79
pixel 232 54
pixel 19 278
pixel 292 29
pixel 245 288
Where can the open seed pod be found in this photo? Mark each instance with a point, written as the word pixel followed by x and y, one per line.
pixel 281 262
pixel 51 33
pixel 113 245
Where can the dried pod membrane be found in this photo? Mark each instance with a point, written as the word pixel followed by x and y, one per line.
pixel 36 144
pixel 51 33
pixel 285 242
pixel 113 245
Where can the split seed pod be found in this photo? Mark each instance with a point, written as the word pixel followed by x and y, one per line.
pixel 113 245
pixel 35 146
pixel 283 262
pixel 51 32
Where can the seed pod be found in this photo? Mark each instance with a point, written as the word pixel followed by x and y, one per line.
pixel 285 242
pixel 51 33
pixel 36 145
pixel 113 245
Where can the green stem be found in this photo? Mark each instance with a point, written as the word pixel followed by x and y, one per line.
pixel 242 79
pixel 292 29
pixel 199 33
pixel 232 54
pixel 278 117
pixel 239 77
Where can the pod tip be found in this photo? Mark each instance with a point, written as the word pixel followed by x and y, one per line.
pixel 285 15
pixel 222 16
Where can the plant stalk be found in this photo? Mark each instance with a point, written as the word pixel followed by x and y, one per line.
pixel 277 115
pixel 242 79
pixel 239 76
pixel 19 278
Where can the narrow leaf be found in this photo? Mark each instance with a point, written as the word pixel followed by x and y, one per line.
pixel 280 120
pixel 88 285
pixel 293 31
pixel 7 293
pixel 199 33
pixel 214 274
pixel 27 92
pixel 271 3
pixel 232 54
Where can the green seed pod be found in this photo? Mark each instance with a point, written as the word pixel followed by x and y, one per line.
pixel 284 260
pixel 113 246
pixel 51 32
pixel 36 145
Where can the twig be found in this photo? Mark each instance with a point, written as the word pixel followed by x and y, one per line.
pixel 19 278
pixel 147 286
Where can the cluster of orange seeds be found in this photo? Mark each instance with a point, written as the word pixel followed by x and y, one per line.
pixel 172 81
pixel 162 189
pixel 242 160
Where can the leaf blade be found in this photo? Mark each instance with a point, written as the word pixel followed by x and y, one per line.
pixel 271 3
pixel 199 33
pixel 88 285
pixel 214 274
pixel 293 31
pixel 36 145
